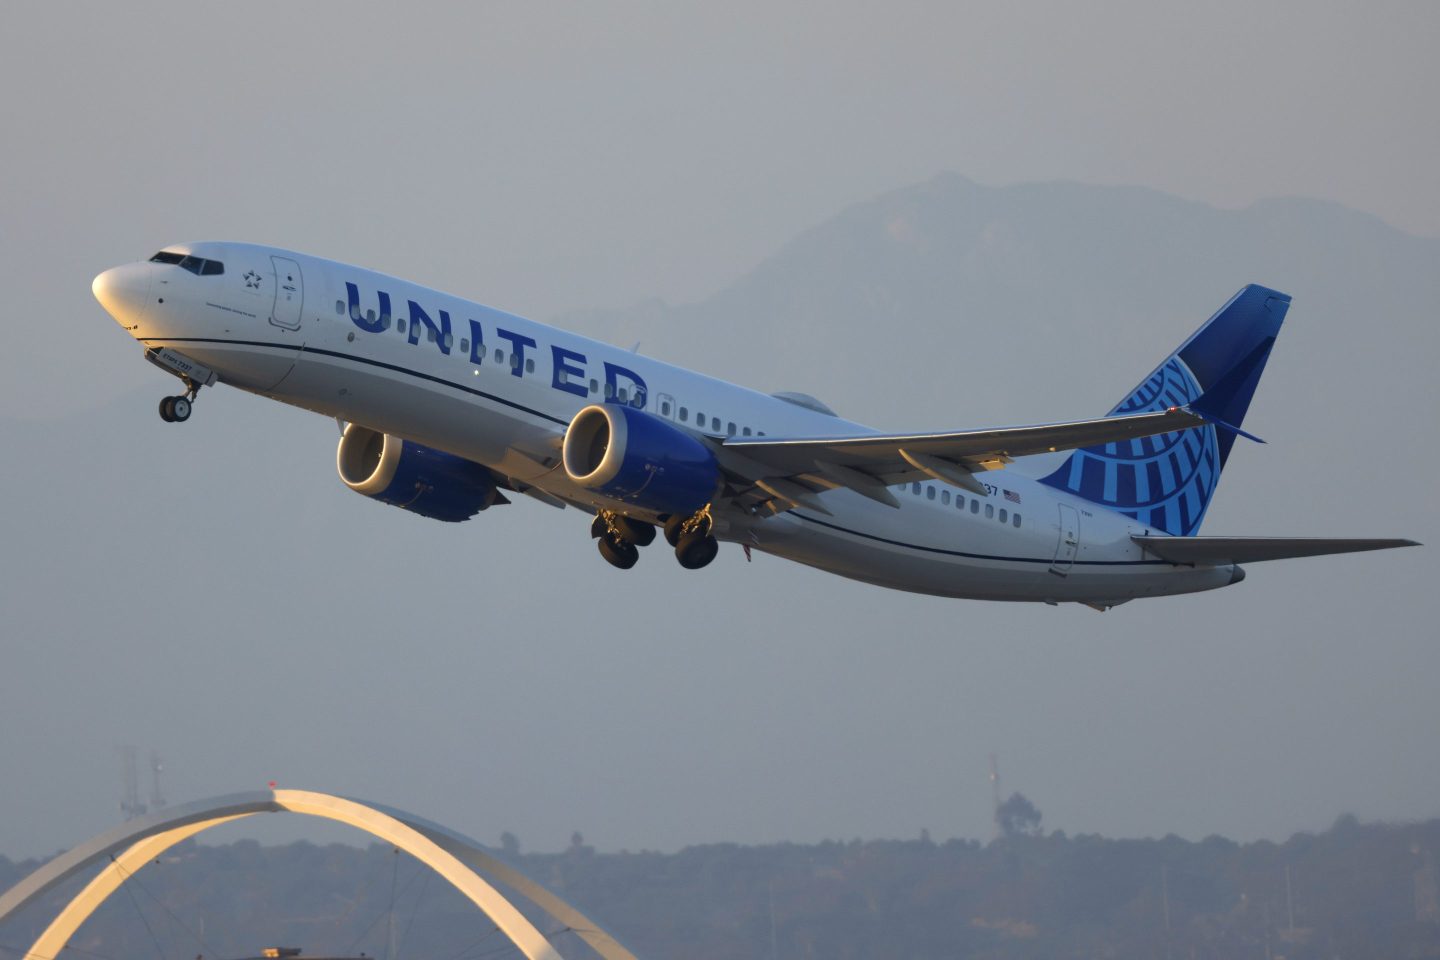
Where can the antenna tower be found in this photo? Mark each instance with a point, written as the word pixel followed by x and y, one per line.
pixel 157 800
pixel 130 805
pixel 995 793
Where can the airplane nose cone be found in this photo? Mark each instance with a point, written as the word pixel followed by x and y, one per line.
pixel 123 292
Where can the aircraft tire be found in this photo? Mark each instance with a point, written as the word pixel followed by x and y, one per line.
pixel 165 404
pixel 672 530
pixel 695 552
pixel 619 553
pixel 638 532
pixel 179 409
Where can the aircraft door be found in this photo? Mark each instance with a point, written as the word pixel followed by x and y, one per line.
pixel 665 406
pixel 1069 541
pixel 289 294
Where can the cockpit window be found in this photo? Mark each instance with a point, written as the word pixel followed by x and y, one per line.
pixel 196 265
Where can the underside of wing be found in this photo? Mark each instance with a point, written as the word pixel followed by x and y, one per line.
pixel 791 471
pixel 1254 549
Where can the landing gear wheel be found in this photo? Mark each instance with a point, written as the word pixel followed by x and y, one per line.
pixel 678 528
pixel 167 404
pixel 695 552
pixel 637 532
pixel 179 409
pixel 619 553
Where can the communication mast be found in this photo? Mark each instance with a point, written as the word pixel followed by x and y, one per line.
pixel 995 793
pixel 157 800
pixel 130 805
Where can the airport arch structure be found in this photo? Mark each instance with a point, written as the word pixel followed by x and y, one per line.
pixel 459 860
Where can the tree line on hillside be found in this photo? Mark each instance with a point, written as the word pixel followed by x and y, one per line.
pixel 1355 890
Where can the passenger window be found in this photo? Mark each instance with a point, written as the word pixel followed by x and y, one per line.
pixel 945 497
pixel 684 415
pixel 339 308
pixel 530 366
pixel 514 361
pixel 715 424
pixel 915 488
pixel 730 429
pixel 400 324
pixel 959 502
pixel 464 345
pixel 562 375
pixel 499 356
pixel 760 432
pixel 664 408
pixel 609 391
pixel 974 506
pixel 930 492
pixel 594 386
pixel 699 419
pixel 430 333
pixel 1015 520
pixel 370 316
pixel 384 321
pixel 1004 515
pixel 622 396
pixel 745 432
pixel 447 341
pixel 989 510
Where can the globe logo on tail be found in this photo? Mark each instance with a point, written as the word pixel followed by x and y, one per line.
pixel 1164 482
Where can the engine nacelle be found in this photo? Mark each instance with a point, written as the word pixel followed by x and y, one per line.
pixel 630 455
pixel 413 477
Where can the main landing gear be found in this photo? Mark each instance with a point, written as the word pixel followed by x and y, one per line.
pixel 177 409
pixel 690 536
pixel 620 538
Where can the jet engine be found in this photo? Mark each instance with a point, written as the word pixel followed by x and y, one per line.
pixel 413 477
pixel 630 455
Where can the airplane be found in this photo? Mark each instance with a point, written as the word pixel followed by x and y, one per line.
pixel 446 406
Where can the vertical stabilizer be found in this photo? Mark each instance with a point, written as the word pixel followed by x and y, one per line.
pixel 1166 482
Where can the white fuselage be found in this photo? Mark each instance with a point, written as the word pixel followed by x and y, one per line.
pixel 500 390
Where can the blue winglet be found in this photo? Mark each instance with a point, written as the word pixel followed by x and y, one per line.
pixel 1211 418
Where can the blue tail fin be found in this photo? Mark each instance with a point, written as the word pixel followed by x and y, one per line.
pixel 1166 482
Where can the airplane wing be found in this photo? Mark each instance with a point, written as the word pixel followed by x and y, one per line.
pixel 1255 549
pixel 792 471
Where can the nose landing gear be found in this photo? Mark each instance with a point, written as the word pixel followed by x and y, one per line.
pixel 177 409
pixel 192 374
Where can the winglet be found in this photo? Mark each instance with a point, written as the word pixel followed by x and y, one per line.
pixel 1208 417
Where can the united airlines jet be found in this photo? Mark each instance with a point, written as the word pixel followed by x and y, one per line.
pixel 447 406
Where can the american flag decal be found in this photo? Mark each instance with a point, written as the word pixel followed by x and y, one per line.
pixel 1012 496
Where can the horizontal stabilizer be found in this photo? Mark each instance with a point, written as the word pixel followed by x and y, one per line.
pixel 1254 549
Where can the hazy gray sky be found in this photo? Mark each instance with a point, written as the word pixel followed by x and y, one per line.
pixel 217 594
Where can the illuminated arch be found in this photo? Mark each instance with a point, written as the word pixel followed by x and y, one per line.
pixel 456 858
